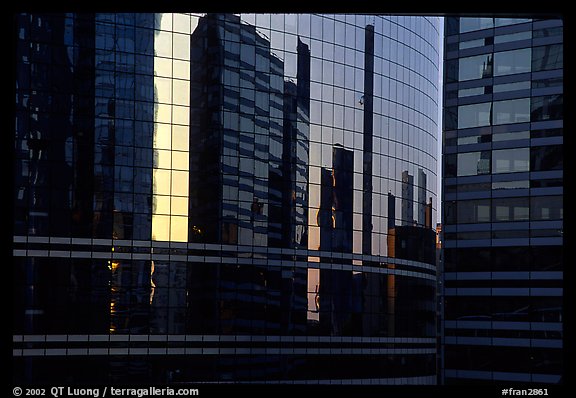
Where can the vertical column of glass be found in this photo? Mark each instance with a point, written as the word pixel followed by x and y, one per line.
pixel 171 126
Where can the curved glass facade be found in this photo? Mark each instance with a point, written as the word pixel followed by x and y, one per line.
pixel 223 197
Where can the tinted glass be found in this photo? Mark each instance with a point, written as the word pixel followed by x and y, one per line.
pixel 475 115
pixel 473 163
pixel 510 160
pixel 511 62
pixel 475 67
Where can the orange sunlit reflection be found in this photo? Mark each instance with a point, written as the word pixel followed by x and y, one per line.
pixel 171 166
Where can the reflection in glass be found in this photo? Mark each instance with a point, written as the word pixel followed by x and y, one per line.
pixel 510 209
pixel 511 62
pixel 511 160
pixel 513 37
pixel 500 88
pixel 513 111
pixel 546 208
pixel 476 115
pixel 477 67
pixel 549 107
pixel 471 24
pixel 473 211
pixel 474 163
pixel 165 180
pixel 544 158
pixel 194 142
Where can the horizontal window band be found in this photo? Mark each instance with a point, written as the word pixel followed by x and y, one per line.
pixel 26 352
pixel 115 247
pixel 216 338
pixel 502 376
pixel 501 325
pixel 218 345
pixel 427 380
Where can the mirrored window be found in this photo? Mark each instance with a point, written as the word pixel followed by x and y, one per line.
pixel 546 158
pixel 500 88
pixel 510 209
pixel 546 208
pixel 522 184
pixel 471 44
pixel 517 135
pixel 548 107
pixel 475 115
pixel 471 24
pixel 513 111
pixel 510 160
pixel 510 21
pixel 513 37
pixel 512 62
pixel 473 163
pixel 477 67
pixel 473 211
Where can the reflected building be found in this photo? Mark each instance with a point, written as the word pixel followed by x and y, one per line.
pixel 295 149
pixel 503 192
pixel 212 198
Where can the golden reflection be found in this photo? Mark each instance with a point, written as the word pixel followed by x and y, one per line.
pixel 152 284
pixel 181 69
pixel 161 204
pixel 313 237
pixel 179 206
pixel 162 136
pixel 313 294
pixel 171 153
pixel 114 267
pixel 180 183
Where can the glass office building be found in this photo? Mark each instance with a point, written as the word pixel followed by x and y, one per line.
pixel 225 198
pixel 503 200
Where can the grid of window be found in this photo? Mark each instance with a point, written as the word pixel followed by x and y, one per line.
pixel 503 200
pixel 189 181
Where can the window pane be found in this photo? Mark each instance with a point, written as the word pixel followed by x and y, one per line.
pixel 471 44
pixel 511 160
pixel 547 57
pixel 474 187
pixel 451 70
pixel 450 118
pixel 513 37
pixel 510 209
pixel 546 158
pixel 450 165
pixel 510 21
pixel 514 111
pixel 546 208
pixel 473 163
pixel 548 32
pixel 475 67
pixel 474 139
pixel 500 88
pixel 517 135
pixel 475 115
pixel 473 211
pixel 470 91
pixel 546 133
pixel 550 82
pixel 511 62
pixel 450 212
pixel 511 184
pixel 549 107
pixel 470 24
